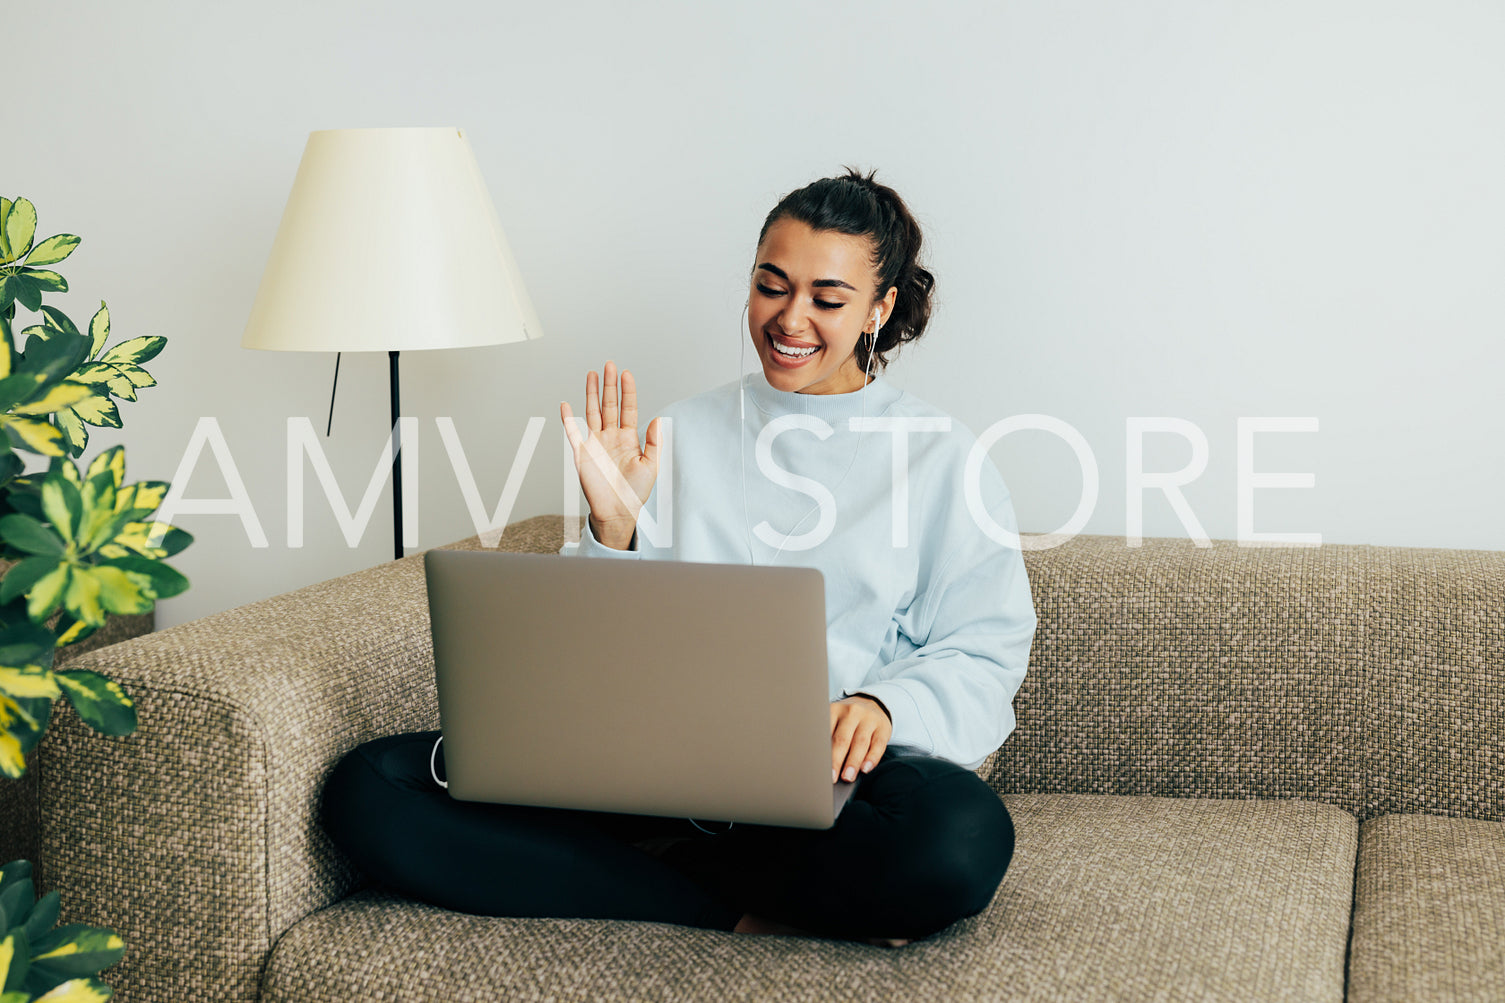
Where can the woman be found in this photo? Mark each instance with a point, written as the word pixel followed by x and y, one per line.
pixel 929 622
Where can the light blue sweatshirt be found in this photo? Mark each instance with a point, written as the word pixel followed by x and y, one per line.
pixel 925 610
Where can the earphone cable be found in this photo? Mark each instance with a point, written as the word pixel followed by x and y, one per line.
pixel 742 436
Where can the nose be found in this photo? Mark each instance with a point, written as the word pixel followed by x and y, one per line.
pixel 792 317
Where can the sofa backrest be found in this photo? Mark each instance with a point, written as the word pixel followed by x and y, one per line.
pixel 1368 677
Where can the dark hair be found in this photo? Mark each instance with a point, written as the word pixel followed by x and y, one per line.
pixel 857 205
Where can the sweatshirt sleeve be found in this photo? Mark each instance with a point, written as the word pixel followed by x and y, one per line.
pixel 589 546
pixel 964 642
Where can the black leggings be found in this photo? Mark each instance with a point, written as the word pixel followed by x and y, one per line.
pixel 923 843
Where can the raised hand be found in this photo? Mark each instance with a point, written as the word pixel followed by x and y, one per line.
pixel 616 474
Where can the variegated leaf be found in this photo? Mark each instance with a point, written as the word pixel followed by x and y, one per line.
pixel 59 395
pixel 22 575
pixel 47 593
pixel 60 320
pixel 149 539
pixel 68 469
pixel 165 580
pixel 12 761
pixel 98 409
pixel 81 597
pixel 8 345
pixel 75 432
pixel 28 681
pixel 135 351
pixel 53 249
pixel 87 990
pixel 99 329
pixel 148 494
pixel 77 631
pixel 28 292
pixel 5 254
pixel 49 280
pixel 119 383
pixel 95 372
pixel 109 527
pixel 20 228
pixel 34 434
pixel 18 387
pixel 139 377
pixel 101 702
pixel 113 460
pixel 14 954
pixel 63 505
pixel 121 591
pixel 13 714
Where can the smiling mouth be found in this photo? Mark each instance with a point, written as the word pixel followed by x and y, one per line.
pixel 786 353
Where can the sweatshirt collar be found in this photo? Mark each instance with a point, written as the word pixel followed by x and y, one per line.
pixel 771 401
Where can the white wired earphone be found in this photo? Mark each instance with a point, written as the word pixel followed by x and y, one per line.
pixel 742 444
pixel 432 755
pixel 742 447
pixel 742 437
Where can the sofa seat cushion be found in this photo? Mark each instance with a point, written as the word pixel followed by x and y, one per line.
pixel 1429 910
pixel 1129 898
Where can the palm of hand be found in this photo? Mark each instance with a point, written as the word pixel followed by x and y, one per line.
pixel 615 451
pixel 616 473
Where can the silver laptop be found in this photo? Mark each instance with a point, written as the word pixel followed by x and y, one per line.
pixel 649 687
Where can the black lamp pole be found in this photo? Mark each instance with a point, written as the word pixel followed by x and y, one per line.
pixel 396 458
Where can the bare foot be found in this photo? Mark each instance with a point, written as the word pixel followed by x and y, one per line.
pixel 757 924
pixel 886 941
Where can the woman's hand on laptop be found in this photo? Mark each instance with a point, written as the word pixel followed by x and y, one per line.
pixel 860 731
pixel 616 474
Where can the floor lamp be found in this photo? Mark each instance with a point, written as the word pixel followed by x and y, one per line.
pixel 389 242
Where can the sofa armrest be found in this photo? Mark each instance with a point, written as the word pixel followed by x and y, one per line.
pixel 19 822
pixel 197 838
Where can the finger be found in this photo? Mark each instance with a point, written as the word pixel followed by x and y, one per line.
pixel 859 752
pixel 571 432
pixel 629 400
pixel 592 403
pixel 609 417
pixel 841 742
pixel 651 451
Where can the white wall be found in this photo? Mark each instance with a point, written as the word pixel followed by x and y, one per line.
pixel 1169 208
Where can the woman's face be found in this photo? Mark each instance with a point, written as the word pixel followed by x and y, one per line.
pixel 812 289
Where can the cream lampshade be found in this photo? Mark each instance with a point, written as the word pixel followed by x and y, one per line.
pixel 389 242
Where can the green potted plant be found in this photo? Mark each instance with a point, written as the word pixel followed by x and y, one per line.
pixel 83 546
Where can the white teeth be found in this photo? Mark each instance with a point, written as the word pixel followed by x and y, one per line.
pixel 797 353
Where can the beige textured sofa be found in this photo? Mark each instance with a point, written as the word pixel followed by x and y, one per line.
pixel 1238 773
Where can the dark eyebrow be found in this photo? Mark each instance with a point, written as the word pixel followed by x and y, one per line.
pixel 819 283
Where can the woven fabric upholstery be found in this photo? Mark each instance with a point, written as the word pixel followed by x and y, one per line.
pixel 1136 898
pixel 1225 672
pixel 1366 677
pixel 1429 911
pixel 1437 643
pixel 19 820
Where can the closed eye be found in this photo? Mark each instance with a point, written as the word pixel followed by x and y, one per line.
pixel 823 304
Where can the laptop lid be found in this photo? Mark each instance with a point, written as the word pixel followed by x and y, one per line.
pixel 649 687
